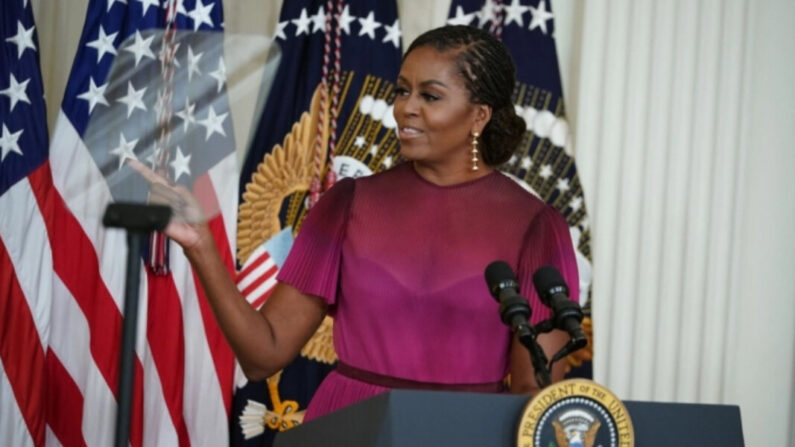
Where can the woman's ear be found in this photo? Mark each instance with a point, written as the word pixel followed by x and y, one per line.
pixel 482 117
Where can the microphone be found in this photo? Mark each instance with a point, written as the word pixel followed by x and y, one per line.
pixel 567 315
pixel 515 312
pixel 514 309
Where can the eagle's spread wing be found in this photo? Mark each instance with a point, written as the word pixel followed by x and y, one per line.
pixel 590 435
pixel 560 434
pixel 287 169
pixel 321 346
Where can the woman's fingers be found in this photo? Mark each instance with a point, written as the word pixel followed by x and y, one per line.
pixel 184 207
pixel 162 193
pixel 149 175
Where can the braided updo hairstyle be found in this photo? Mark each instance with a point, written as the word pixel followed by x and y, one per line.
pixel 489 75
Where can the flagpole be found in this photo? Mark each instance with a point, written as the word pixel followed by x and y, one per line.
pixel 138 220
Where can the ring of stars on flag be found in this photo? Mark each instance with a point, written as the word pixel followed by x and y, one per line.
pixel 367 26
pixel 514 12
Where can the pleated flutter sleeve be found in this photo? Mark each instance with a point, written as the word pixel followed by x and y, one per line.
pixel 313 264
pixel 547 242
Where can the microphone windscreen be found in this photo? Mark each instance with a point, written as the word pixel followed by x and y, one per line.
pixel 500 276
pixel 497 272
pixel 546 279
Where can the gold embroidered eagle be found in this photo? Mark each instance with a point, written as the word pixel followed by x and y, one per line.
pixel 287 169
pixel 588 438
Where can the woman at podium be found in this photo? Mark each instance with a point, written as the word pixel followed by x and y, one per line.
pixel 397 258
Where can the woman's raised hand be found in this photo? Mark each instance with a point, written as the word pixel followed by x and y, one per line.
pixel 187 225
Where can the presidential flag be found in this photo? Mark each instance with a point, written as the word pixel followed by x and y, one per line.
pixel 26 260
pixel 544 162
pixel 329 116
pixel 138 90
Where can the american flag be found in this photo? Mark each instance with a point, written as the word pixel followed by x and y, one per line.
pixel 183 367
pixel 25 252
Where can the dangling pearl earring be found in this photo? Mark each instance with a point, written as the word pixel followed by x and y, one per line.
pixel 475 136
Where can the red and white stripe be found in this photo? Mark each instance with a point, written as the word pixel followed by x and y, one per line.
pixel 24 316
pixel 257 278
pixel 184 367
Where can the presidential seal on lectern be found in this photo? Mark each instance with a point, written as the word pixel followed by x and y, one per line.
pixel 575 413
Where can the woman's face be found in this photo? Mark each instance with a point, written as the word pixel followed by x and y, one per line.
pixel 434 115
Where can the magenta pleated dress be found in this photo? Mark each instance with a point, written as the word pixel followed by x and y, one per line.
pixel 401 262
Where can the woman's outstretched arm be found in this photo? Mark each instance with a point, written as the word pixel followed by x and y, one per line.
pixel 265 341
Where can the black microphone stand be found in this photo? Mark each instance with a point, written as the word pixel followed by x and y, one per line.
pixel 527 336
pixel 139 220
pixel 515 311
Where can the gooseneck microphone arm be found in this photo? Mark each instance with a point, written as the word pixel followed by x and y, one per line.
pixel 515 312
pixel 566 314
pixel 527 336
